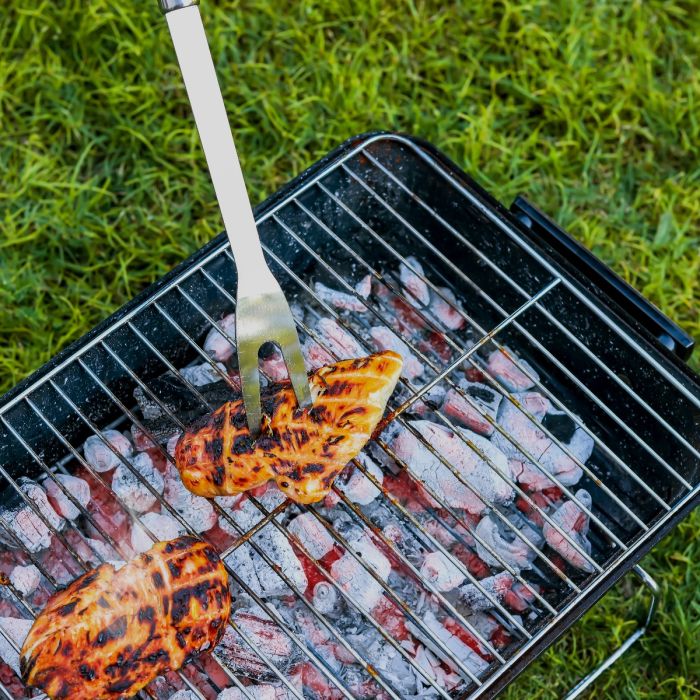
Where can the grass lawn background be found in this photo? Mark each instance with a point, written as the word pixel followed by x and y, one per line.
pixel 592 108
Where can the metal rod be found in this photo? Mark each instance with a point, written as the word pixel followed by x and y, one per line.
pixel 590 678
pixel 517 238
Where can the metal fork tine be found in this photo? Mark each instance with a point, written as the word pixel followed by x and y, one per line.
pixel 248 345
pixel 297 375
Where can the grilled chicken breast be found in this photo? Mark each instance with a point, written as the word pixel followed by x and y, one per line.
pixel 110 633
pixel 302 450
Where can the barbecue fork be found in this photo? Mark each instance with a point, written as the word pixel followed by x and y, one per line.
pixel 262 312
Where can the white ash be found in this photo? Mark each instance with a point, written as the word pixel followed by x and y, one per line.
pixel 27 527
pixel 385 339
pixel 392 666
pixel 172 443
pixel 17 630
pixel 265 635
pixel 263 691
pixel 249 563
pixel 229 502
pixel 512 550
pixel 216 345
pixel 338 299
pixel 78 488
pixel 254 692
pixel 100 552
pixel 561 465
pixel 195 510
pixel 430 401
pixel 550 458
pixel 38 497
pixel 575 522
pixel 476 472
pixel 312 535
pixel 25 524
pixel 416 289
pixel 359 488
pixel 441 572
pixel 184 695
pixel 131 490
pixel 364 286
pixel 466 410
pixel 353 577
pixel 440 533
pixel 201 375
pixel 486 624
pixel 526 433
pixel 245 513
pixel 162 526
pixel 25 579
pixel 256 572
pixel 326 598
pixel 511 374
pixel 340 342
pixel 99 456
pixel 465 654
pixel 315 356
pixel 445 309
pixel 529 478
pixel 496 586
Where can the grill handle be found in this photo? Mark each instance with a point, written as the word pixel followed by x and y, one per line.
pixel 543 229
pixel 588 680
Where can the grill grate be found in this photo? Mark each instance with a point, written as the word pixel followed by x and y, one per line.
pixel 377 205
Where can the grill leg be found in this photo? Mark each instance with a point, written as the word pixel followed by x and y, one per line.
pixel 588 680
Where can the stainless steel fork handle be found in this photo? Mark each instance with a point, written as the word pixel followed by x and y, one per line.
pixel 194 57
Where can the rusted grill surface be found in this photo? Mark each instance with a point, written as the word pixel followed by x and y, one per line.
pixel 384 204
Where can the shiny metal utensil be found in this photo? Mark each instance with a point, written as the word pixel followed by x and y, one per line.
pixel 262 312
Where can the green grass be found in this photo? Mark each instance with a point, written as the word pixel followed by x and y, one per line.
pixel 593 108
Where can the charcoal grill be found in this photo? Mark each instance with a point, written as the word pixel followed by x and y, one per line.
pixel 604 356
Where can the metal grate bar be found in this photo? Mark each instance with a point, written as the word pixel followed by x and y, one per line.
pixel 550 317
pixel 386 281
pixel 457 562
pixel 135 521
pixel 438 370
pixel 269 517
pixel 493 552
pixel 269 610
pixel 84 512
pixel 459 362
pixel 417 527
pixel 260 551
